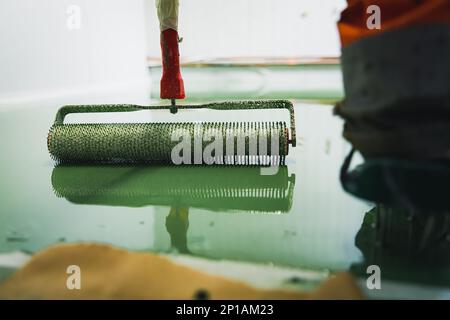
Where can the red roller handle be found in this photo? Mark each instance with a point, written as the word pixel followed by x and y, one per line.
pixel 172 86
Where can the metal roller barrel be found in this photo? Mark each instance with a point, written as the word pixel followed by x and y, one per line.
pixel 230 143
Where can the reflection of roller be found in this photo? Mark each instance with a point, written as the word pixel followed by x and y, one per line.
pixel 213 188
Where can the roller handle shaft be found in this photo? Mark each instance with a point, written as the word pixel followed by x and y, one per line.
pixel 172 86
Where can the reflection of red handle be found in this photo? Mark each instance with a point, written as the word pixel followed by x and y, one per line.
pixel 172 86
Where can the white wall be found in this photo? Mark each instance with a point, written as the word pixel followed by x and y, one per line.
pixel 41 58
pixel 40 55
pixel 254 28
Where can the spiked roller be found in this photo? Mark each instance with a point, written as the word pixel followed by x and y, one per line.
pixel 244 143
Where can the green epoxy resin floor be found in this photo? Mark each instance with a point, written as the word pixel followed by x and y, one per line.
pixel 299 219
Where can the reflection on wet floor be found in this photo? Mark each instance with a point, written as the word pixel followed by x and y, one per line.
pixel 227 188
pixel 309 225
pixel 216 188
pixel 406 245
pixel 416 185
pixel 300 217
pixel 407 235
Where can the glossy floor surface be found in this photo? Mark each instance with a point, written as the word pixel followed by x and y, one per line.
pixel 298 218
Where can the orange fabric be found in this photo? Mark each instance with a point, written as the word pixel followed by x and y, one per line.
pixel 110 273
pixel 394 14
